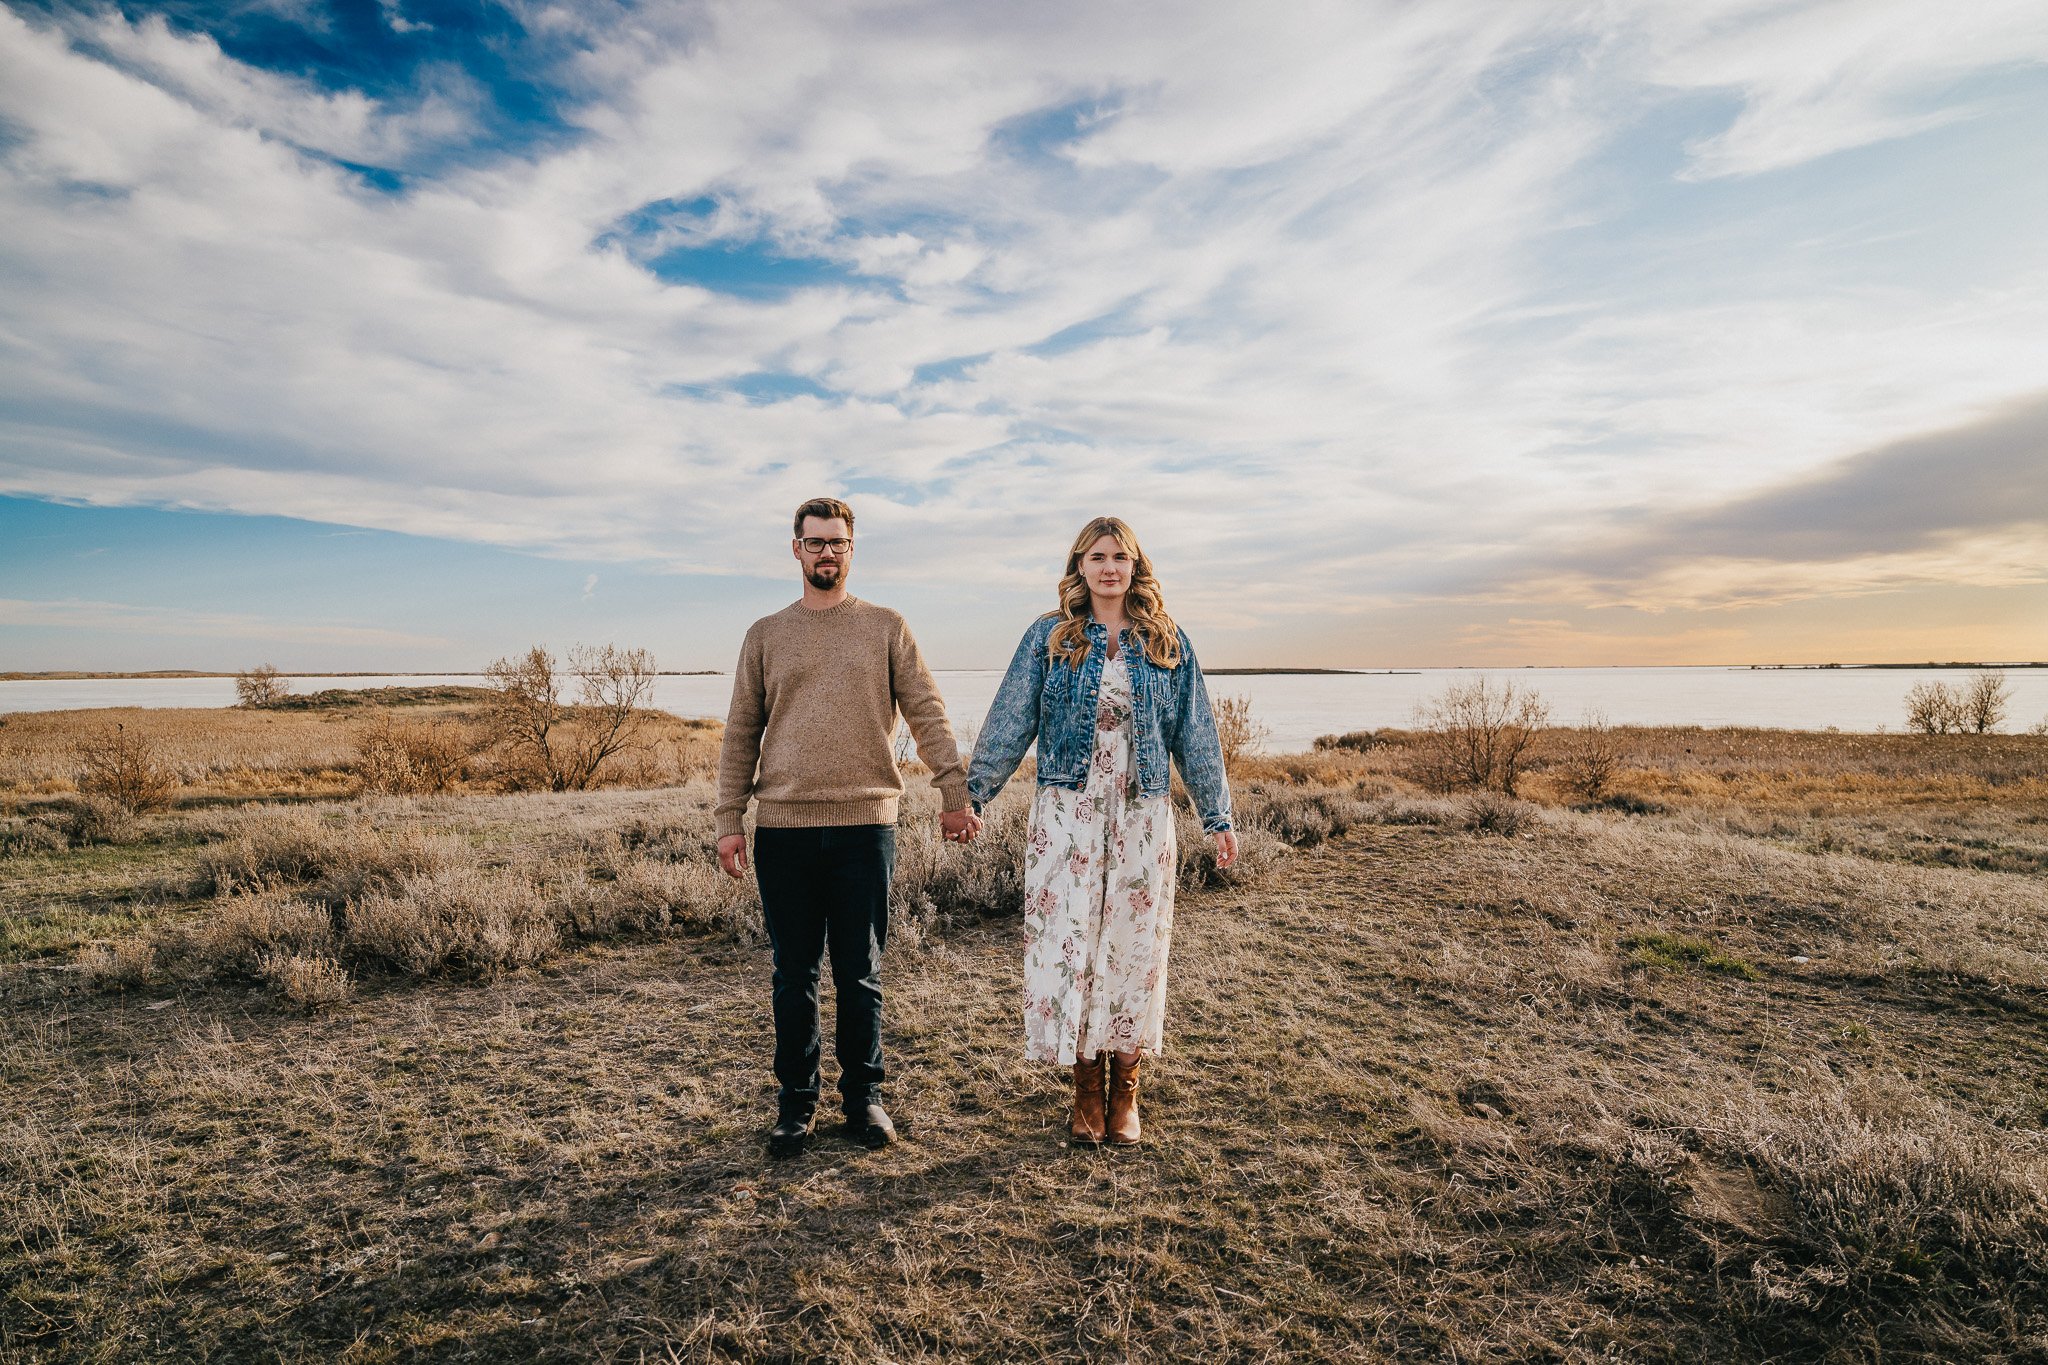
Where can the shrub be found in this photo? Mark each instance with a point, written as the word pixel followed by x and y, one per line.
pixel 1238 731
pixel 1356 741
pixel 120 965
pixel 101 820
pixel 261 686
pixel 461 921
pixel 1491 812
pixel 1934 708
pixel 560 747
pixel 935 878
pixel 1301 816
pixel 1476 734
pixel 246 930
pixel 125 768
pixel 398 757
pixel 1588 757
pixel 37 834
pixel 1258 852
pixel 339 861
pixel 311 981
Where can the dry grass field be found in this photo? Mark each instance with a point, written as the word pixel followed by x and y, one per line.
pixel 1748 1061
pixel 307 749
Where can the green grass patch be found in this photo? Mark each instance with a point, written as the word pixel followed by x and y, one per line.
pixel 1675 952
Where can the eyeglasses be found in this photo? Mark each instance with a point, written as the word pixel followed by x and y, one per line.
pixel 839 545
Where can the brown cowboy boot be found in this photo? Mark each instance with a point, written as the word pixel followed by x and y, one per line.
pixel 1122 1125
pixel 1085 1122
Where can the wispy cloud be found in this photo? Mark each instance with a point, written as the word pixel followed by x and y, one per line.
pixel 1341 302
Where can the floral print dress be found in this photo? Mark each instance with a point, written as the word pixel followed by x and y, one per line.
pixel 1098 900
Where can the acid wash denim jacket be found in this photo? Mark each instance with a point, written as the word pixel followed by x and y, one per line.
pixel 1053 702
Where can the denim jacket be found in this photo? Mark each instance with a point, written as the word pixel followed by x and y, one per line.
pixel 1053 702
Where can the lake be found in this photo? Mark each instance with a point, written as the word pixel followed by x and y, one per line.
pixel 1297 707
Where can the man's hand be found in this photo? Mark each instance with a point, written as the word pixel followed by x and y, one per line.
pixel 961 825
pixel 1226 847
pixel 732 855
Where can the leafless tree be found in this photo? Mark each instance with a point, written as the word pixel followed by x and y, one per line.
pixel 1934 708
pixel 261 686
pixel 1477 734
pixel 1984 701
pixel 563 746
pixel 1238 731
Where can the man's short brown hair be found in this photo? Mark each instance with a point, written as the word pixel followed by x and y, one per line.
pixel 824 509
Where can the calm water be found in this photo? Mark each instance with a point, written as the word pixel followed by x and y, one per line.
pixel 1297 707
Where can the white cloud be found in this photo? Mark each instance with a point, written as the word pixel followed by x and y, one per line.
pixel 1332 348
pixel 1820 78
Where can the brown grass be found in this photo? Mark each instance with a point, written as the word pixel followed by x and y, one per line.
pixel 1424 1099
pixel 486 1076
pixel 332 751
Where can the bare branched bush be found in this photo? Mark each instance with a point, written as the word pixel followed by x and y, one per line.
pixel 127 769
pixel 1476 734
pixel 261 686
pixel 408 758
pixel 1588 757
pixel 563 747
pixel 1983 702
pixel 1934 708
pixel 1238 731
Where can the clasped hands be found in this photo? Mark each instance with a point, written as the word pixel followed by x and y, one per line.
pixel 960 826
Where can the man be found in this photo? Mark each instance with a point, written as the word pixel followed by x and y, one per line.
pixel 809 739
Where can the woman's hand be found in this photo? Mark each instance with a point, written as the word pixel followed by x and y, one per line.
pixel 1226 847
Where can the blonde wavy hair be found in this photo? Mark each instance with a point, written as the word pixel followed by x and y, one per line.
pixel 1143 605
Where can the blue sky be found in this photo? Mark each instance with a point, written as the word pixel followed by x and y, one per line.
pixel 406 334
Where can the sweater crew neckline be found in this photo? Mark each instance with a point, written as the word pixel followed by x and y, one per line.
pixel 814 614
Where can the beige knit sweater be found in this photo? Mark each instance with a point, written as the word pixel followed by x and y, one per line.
pixel 813 719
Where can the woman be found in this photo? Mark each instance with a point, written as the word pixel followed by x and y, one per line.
pixel 1109 688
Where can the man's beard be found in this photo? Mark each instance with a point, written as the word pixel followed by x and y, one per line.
pixel 825 582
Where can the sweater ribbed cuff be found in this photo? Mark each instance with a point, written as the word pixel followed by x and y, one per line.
pixel 953 795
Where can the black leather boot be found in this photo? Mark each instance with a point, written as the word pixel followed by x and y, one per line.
pixel 869 1125
pixel 791 1133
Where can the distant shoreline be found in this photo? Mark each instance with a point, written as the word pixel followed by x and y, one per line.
pixel 175 673
pixel 355 673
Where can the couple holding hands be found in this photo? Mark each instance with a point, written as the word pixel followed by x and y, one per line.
pixel 1108 688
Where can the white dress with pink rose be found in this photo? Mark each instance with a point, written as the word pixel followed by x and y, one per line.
pixel 1098 901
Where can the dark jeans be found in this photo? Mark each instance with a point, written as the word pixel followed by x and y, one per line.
pixel 825 888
